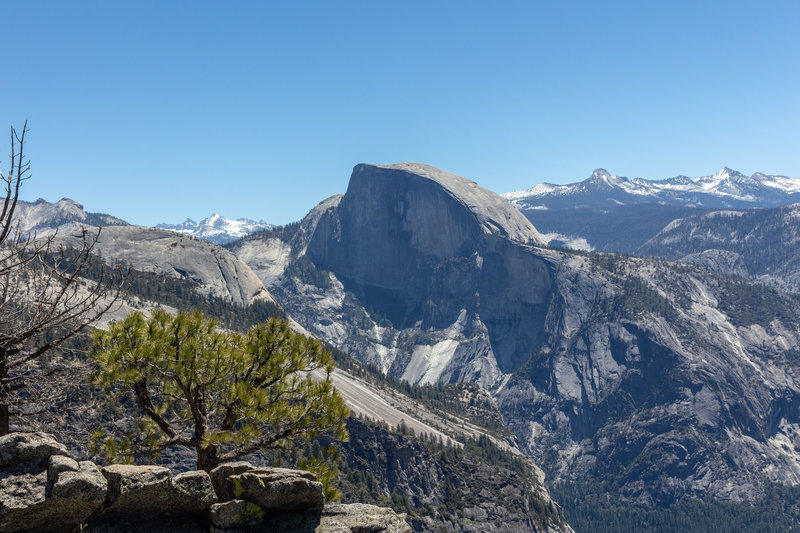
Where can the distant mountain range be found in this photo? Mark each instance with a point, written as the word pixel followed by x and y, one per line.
pixel 218 229
pixel 44 218
pixel 726 188
pixel 616 214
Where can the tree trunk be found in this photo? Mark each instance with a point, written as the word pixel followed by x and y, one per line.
pixel 207 458
pixel 5 417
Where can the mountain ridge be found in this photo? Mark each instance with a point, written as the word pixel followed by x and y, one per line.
pixel 217 229
pixel 44 218
pixel 725 188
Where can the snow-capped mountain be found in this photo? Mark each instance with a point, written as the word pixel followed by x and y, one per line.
pixel 726 188
pixel 218 229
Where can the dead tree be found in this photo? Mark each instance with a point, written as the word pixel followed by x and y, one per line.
pixel 45 298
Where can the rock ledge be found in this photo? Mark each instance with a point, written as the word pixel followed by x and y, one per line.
pixel 44 489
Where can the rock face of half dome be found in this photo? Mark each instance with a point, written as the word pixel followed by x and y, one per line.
pixel 398 225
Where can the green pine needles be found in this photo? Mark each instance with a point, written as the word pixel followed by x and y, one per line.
pixel 225 394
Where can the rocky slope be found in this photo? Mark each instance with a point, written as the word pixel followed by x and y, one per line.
pixel 447 488
pixel 499 495
pixel 217 271
pixel 387 257
pixel 665 379
pixel 761 245
pixel 435 461
pixel 217 229
pixel 506 498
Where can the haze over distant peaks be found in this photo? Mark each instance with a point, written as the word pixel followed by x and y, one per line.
pixel 725 188
pixel 218 229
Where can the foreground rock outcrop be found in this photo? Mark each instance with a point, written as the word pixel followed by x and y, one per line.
pixel 42 489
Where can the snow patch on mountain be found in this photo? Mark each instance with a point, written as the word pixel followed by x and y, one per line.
pixel 218 229
pixel 568 241
pixel 722 187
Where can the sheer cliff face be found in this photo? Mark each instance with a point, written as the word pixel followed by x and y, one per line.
pixel 421 247
pixel 664 380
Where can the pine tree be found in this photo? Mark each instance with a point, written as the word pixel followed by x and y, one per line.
pixel 224 394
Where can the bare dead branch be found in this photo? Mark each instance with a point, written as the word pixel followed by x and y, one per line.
pixel 45 298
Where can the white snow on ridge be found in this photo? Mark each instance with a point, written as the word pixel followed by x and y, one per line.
pixel 537 190
pixel 599 177
pixel 725 183
pixel 217 228
pixel 724 213
pixel 781 183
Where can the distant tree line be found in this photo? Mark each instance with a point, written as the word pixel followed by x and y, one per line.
pixel 589 508
pixel 179 293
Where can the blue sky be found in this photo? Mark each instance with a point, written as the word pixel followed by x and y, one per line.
pixel 158 111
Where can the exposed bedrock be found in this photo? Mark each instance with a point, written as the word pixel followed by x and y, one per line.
pixel 417 244
pixel 663 379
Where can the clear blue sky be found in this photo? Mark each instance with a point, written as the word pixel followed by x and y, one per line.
pixel 158 111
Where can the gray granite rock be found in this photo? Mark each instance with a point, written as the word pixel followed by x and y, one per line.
pixel 86 483
pixel 276 491
pixel 194 492
pixel 21 497
pixel 220 475
pixel 225 490
pixel 683 377
pixel 28 447
pixel 57 497
pixel 358 517
pixel 336 518
pixel 171 254
pixel 236 513
pixel 58 464
pixel 428 250
pixel 137 492
pixel 44 492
